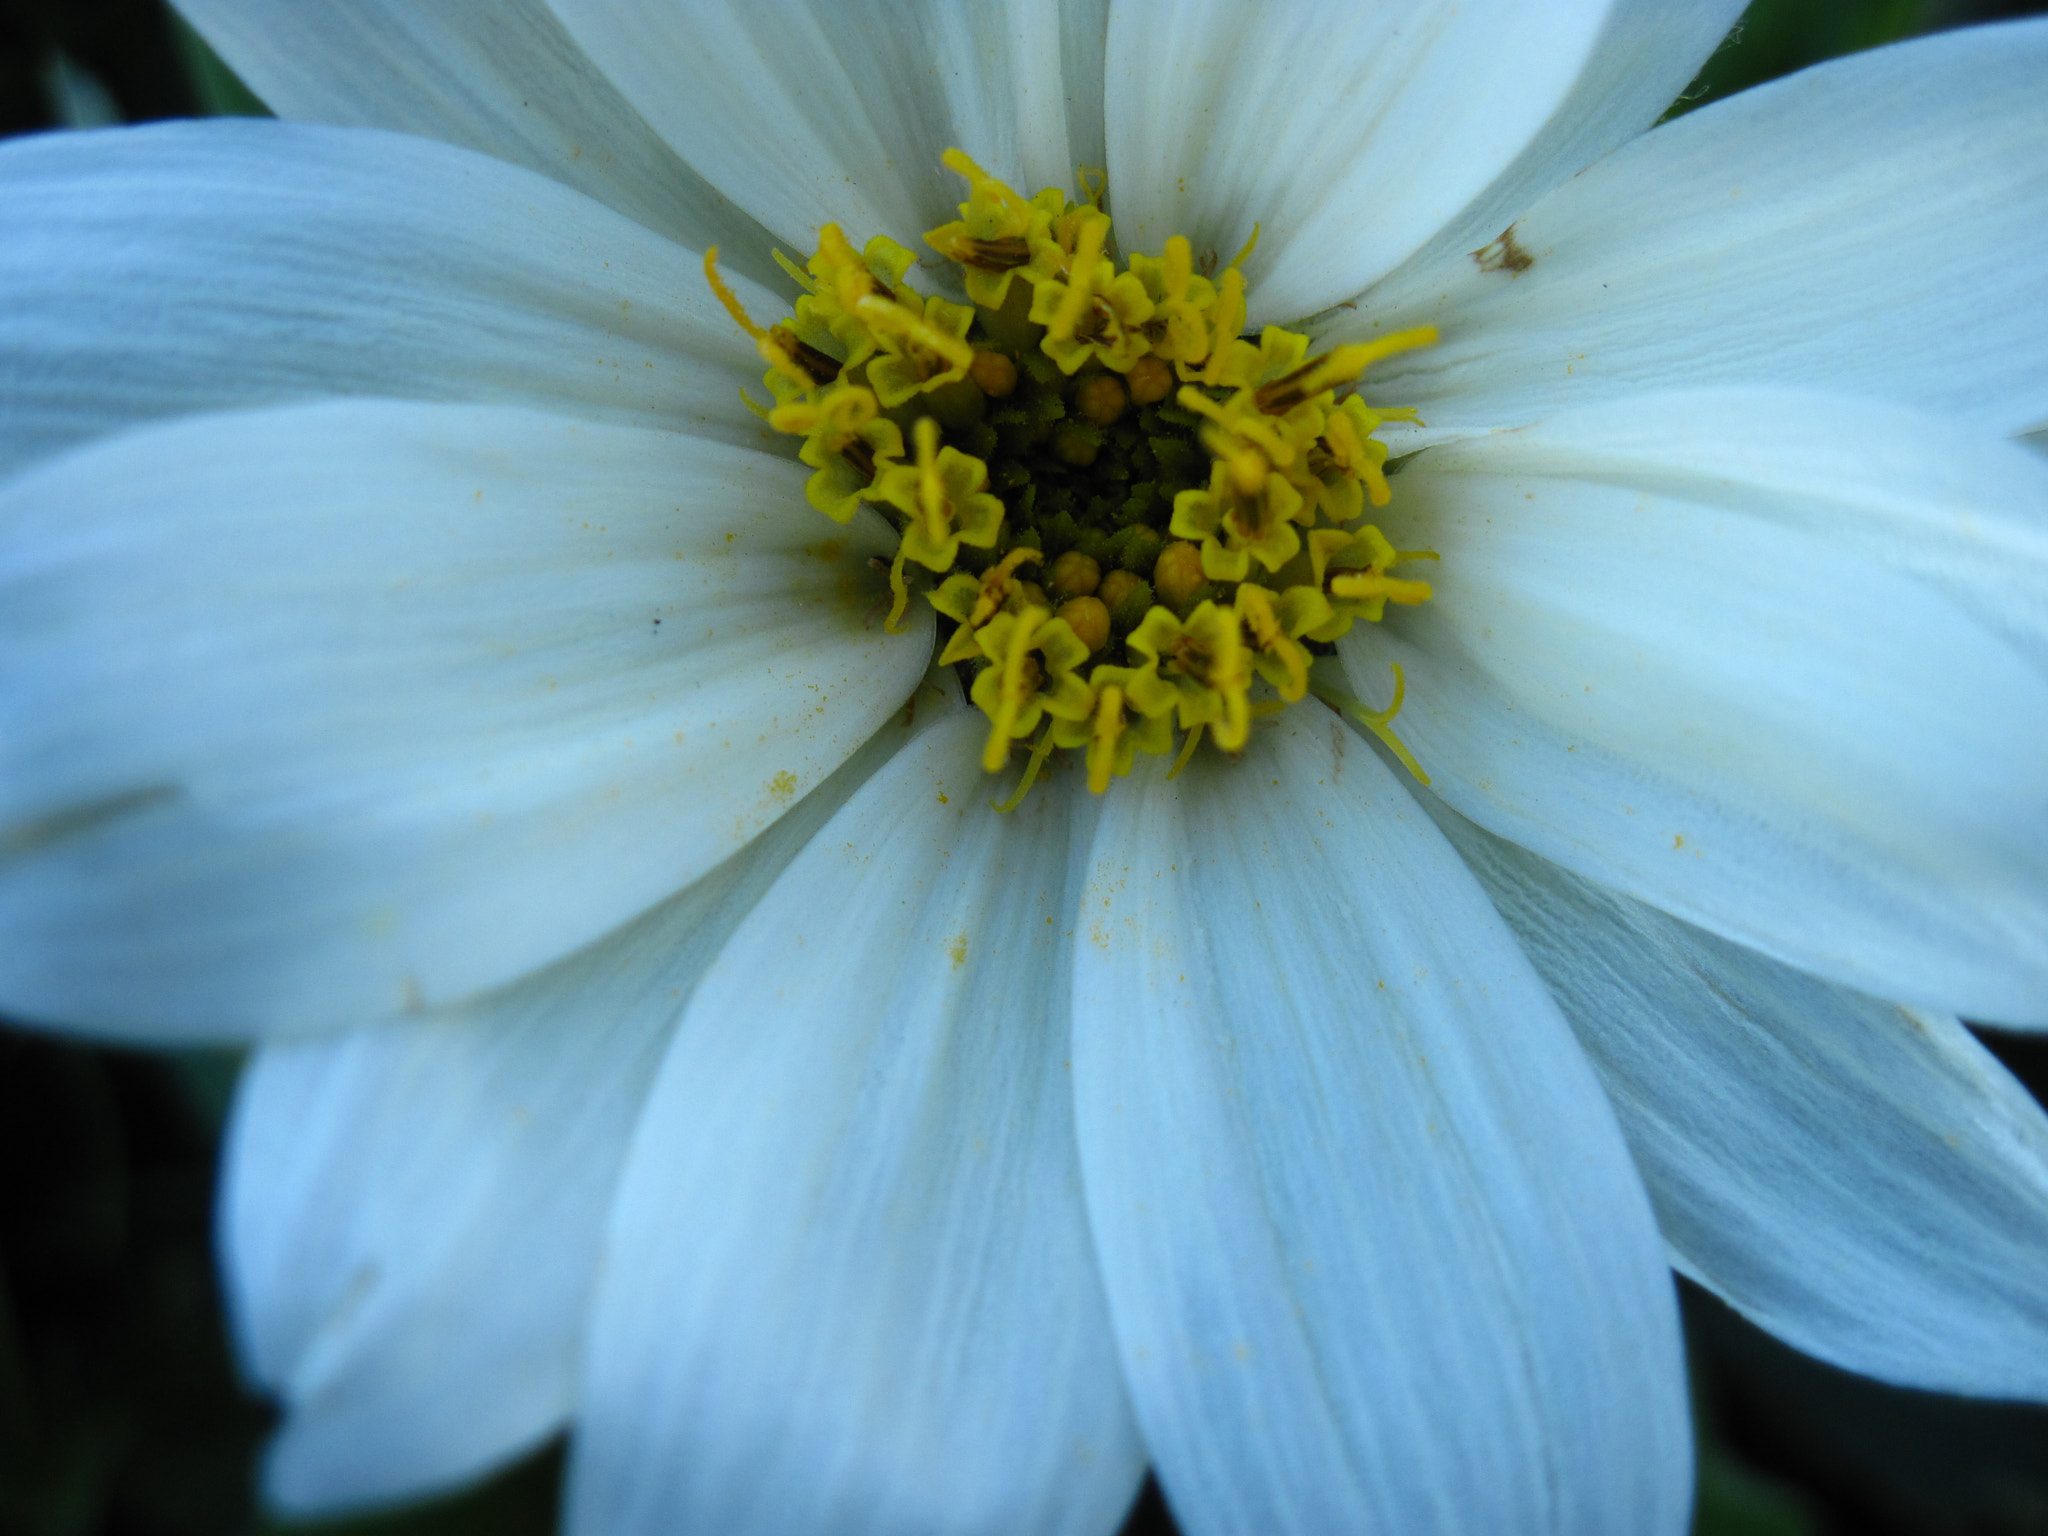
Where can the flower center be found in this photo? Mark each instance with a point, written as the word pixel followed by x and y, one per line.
pixel 1132 519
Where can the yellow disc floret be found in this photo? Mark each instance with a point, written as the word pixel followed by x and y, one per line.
pixel 1132 714
pixel 923 347
pixel 846 440
pixel 999 235
pixel 1032 657
pixel 943 499
pixel 1134 520
pixel 1095 311
pixel 1205 661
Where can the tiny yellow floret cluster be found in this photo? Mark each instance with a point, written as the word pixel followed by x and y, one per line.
pixel 1137 519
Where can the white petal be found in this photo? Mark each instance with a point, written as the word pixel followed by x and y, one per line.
pixel 1872 224
pixel 318 715
pixel 412 1210
pixel 805 112
pixel 502 78
pixel 1375 1251
pixel 1936 500
pixel 1865 1181
pixel 1084 40
pixel 209 266
pixel 1648 52
pixel 1349 135
pixel 848 1284
pixel 1775 663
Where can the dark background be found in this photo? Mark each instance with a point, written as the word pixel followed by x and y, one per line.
pixel 120 1409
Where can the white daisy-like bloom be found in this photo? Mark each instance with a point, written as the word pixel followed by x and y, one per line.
pixel 415 658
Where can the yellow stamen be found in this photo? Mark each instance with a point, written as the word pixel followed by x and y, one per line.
pixel 985 187
pixel 1225 321
pixel 886 317
pixel 728 298
pixel 853 281
pixel 1187 752
pixel 797 274
pixel 1039 751
pixel 1362 355
pixel 1015 688
pixel 1379 721
pixel 995 584
pixel 773 353
pixel 1109 725
pixel 1338 367
pixel 901 590
pixel 1245 423
pixel 1363 586
pixel 1179 263
pixel 931 490
pixel 1289 662
pixel 1082 279
pixel 838 417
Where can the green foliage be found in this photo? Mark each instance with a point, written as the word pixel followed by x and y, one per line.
pixel 219 91
pixel 1776 37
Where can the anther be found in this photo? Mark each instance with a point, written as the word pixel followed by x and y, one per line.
pixel 1005 253
pixel 1338 367
pixel 817 364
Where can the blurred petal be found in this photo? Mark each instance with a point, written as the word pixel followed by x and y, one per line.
pixel 1872 224
pixel 1865 1181
pixel 412 1210
pixel 806 112
pixel 849 1284
pixel 1377 1256
pixel 1349 136
pixel 209 266
pixel 1775 663
pixel 502 78
pixel 319 715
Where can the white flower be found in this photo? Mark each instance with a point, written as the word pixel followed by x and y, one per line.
pixel 416 658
